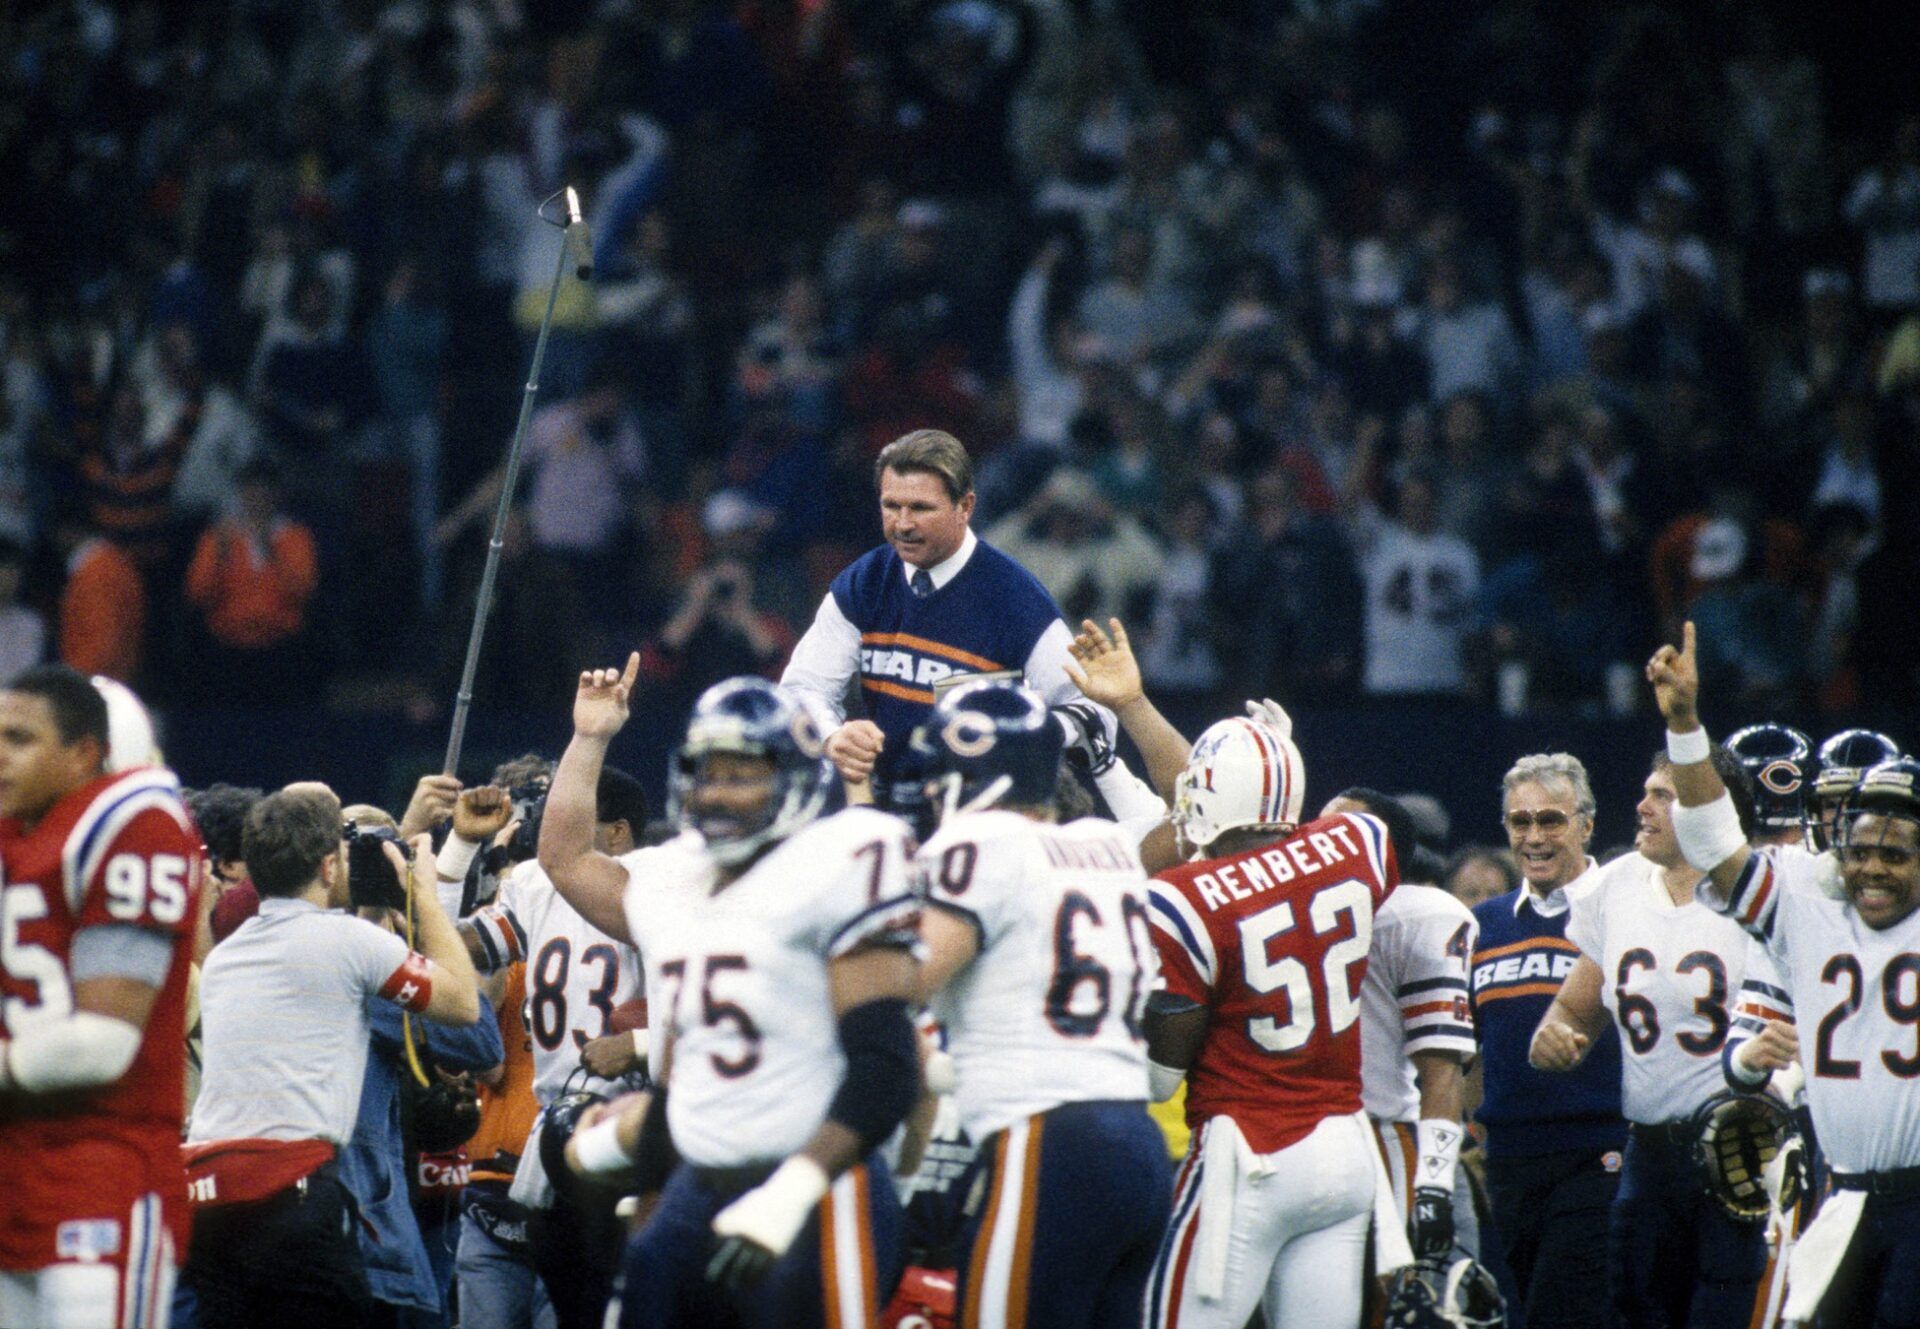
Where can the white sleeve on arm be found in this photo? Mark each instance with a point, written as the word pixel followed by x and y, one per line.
pixel 825 659
pixel 1046 673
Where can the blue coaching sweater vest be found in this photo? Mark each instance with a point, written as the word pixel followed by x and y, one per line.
pixel 985 619
pixel 1518 965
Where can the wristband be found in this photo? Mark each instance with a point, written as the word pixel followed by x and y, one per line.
pixel 1710 833
pixel 1164 1081
pixel 1438 1142
pixel 640 1043
pixel 455 857
pixel 1739 1072
pixel 1690 748
pixel 597 1149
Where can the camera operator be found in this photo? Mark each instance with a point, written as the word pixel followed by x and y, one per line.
pixel 715 633
pixel 401 1272
pixel 287 1017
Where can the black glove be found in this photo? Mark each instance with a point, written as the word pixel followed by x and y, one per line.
pixel 1088 745
pixel 1430 1228
pixel 739 1263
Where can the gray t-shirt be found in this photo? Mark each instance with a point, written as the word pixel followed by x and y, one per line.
pixel 284 1019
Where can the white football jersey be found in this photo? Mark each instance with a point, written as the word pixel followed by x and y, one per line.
pixel 1669 974
pixel 1414 997
pixel 576 975
pixel 738 972
pixel 1049 1010
pixel 1856 998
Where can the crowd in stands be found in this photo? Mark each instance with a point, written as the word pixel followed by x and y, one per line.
pixel 1350 348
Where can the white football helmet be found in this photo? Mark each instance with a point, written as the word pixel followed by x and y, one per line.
pixel 131 741
pixel 1241 775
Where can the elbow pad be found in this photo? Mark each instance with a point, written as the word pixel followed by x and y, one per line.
pixel 883 1070
pixel 83 1051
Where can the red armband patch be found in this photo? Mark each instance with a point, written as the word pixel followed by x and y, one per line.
pixel 410 987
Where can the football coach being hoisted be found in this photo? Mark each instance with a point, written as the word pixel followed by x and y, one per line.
pixel 935 602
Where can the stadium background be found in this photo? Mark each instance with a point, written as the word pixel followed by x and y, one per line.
pixel 1631 270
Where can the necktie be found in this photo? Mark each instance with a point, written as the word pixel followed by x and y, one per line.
pixel 922 583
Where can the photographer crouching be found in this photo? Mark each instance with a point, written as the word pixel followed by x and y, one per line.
pixel 286 1015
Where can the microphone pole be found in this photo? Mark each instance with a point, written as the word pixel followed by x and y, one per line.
pixel 577 246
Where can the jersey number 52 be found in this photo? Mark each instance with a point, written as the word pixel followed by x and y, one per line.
pixel 1288 974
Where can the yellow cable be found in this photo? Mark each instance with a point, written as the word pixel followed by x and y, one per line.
pixel 406 1017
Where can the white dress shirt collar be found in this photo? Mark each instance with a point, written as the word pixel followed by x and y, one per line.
pixel 949 567
pixel 1556 902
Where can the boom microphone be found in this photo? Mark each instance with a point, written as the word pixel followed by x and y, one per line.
pixel 579 238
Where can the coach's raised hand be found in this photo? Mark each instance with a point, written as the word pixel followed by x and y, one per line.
pixel 600 705
pixel 855 747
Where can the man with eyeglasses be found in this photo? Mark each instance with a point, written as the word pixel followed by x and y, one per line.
pixel 1553 1141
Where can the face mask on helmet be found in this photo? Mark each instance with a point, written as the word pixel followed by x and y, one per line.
pixel 1241 775
pixel 1844 760
pixel 1456 1294
pixel 990 744
pixel 752 769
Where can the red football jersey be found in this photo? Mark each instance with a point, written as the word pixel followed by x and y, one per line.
pixel 1274 943
pixel 118 852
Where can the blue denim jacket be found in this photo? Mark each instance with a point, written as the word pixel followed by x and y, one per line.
pixel 374 1163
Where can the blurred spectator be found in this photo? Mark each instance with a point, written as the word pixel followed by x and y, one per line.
pixel 1884 206
pixel 1135 316
pixel 715 632
pixel 252 577
pixel 184 409
pixel 128 481
pixel 23 631
pixel 406 343
pixel 1176 650
pixel 1842 538
pixel 1847 469
pixel 309 379
pixel 1095 561
pixel 583 458
pixel 103 607
pixel 1421 584
pixel 1823 359
pixel 792 355
pixel 1753 635
pixel 1468 341
pixel 1045 350
pixel 1288 599
pixel 1478 873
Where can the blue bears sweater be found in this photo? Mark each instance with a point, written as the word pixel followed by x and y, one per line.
pixel 1518 965
pixel 986 619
